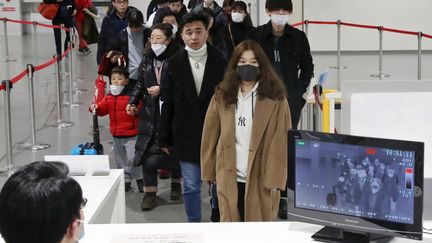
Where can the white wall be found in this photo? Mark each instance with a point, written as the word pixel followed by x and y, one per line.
pixel 398 14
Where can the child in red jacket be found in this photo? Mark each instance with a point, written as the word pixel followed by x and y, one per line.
pixel 123 127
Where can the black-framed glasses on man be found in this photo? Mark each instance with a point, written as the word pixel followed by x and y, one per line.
pixel 83 202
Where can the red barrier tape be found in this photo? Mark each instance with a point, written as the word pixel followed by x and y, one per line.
pixel 45 65
pixel 427 36
pixel 298 24
pixel 35 22
pixel 19 76
pixel 360 25
pixel 36 68
pixel 321 22
pixel 399 31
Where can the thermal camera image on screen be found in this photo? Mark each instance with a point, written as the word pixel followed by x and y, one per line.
pixel 366 182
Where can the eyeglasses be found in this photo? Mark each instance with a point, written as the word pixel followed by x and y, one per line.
pixel 83 202
pixel 121 2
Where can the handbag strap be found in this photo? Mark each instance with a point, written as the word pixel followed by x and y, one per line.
pixel 231 36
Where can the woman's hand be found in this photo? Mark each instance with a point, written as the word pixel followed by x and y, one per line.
pixel 165 150
pixel 154 90
pixel 131 110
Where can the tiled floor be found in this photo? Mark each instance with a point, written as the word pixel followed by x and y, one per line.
pixel 36 50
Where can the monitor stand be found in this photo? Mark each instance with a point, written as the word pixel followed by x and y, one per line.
pixel 330 234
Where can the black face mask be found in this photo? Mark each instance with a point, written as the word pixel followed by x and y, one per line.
pixel 248 72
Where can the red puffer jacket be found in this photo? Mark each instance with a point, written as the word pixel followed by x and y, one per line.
pixel 121 124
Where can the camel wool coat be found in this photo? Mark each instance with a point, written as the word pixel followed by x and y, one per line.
pixel 267 161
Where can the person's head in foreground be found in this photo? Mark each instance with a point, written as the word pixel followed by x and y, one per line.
pixel 40 203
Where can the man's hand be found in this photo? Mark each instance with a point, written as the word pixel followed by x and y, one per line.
pixel 154 90
pixel 165 150
pixel 74 12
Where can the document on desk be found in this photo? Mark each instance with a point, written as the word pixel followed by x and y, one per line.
pixel 158 238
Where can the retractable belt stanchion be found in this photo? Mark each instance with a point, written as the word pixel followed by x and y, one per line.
pixel 7 90
pixel 6 41
pixel 33 146
pixel 60 123
pixel 71 73
pixel 338 61
pixel 380 74
pixel 419 56
pixel 306 25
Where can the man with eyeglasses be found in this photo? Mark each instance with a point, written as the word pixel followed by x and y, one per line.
pixel 112 24
pixel 40 203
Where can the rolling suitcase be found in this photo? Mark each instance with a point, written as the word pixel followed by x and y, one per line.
pixel 90 148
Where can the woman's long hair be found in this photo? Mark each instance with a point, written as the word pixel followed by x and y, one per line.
pixel 270 84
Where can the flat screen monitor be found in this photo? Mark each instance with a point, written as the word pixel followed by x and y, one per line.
pixel 360 188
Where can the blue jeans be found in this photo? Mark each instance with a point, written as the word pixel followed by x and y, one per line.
pixel 191 173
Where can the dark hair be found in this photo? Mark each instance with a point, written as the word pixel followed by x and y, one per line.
pixel 121 71
pixel 165 28
pixel 123 0
pixel 273 5
pixel 227 3
pixel 270 85
pixel 162 13
pixel 174 1
pixel 38 203
pixel 135 18
pixel 192 17
pixel 239 5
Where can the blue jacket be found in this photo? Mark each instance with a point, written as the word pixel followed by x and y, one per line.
pixel 111 27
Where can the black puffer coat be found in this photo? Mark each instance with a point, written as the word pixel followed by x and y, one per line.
pixel 149 116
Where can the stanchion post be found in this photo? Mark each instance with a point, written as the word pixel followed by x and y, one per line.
pixel 33 146
pixel 317 109
pixel 338 61
pixel 380 74
pixel 419 57
pixel 6 41
pixel 71 72
pixel 60 123
pixel 306 24
pixel 7 90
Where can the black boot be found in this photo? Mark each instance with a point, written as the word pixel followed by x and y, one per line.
pixel 149 201
pixel 140 185
pixel 283 213
pixel 128 186
pixel 176 191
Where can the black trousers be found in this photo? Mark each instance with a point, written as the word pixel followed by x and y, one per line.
pixel 240 199
pixel 63 17
pixel 155 159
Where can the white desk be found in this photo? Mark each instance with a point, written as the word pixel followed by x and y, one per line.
pixel 106 198
pixel 219 232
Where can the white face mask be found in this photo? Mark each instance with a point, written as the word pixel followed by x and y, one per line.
pixel 158 48
pixel 175 29
pixel 116 89
pixel 237 17
pixel 279 19
pixel 81 230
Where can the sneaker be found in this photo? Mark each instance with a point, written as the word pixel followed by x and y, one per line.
pixel 149 201
pixel 282 213
pixel 128 186
pixel 164 174
pixel 176 191
pixel 140 185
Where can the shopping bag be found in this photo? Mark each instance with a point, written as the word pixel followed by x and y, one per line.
pixel 99 91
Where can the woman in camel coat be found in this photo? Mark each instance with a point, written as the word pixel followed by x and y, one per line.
pixel 244 142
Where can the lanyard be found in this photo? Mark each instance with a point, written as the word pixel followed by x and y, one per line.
pixel 158 72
